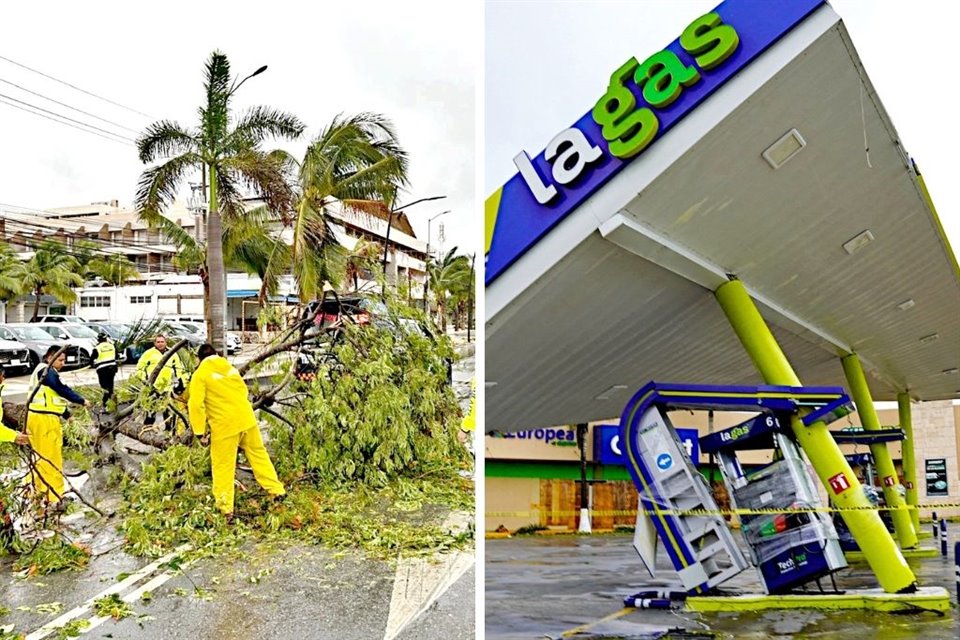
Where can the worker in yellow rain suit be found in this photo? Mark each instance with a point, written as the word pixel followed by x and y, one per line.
pixel 7 434
pixel 48 404
pixel 218 395
pixel 469 423
pixel 170 378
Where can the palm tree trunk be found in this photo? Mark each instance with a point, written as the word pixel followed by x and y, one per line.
pixel 215 270
pixel 36 303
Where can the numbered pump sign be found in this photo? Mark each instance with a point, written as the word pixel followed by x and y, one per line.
pixel 936 472
pixel 609 450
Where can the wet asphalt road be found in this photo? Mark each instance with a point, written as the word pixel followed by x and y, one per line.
pixel 549 586
pixel 270 593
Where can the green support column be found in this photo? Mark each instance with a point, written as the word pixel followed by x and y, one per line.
pixel 834 471
pixel 909 460
pixel 902 523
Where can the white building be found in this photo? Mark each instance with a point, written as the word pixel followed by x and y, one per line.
pixel 162 289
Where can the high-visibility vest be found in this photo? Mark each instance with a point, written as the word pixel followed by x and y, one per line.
pixel 45 400
pixel 106 355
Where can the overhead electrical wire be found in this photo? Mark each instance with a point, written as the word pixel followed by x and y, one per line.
pixel 10 104
pixel 31 228
pixel 64 104
pixel 76 88
pixel 60 115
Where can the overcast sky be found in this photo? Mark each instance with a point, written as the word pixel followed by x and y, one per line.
pixel 409 61
pixel 546 63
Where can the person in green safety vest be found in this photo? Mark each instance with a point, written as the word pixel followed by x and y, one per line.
pixel 169 380
pixel 7 431
pixel 104 362
pixel 48 401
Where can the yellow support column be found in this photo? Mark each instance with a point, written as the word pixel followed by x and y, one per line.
pixel 909 460
pixel 875 541
pixel 902 523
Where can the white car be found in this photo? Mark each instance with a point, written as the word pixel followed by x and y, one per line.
pixel 234 343
pixel 84 338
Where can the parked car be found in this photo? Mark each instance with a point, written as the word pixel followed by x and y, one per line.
pixel 334 312
pixel 73 319
pixel 234 342
pixel 118 333
pixel 15 356
pixel 37 341
pixel 176 331
pixel 76 335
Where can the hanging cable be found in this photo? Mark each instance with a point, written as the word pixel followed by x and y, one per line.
pixel 76 88
pixel 64 104
pixel 60 115
pixel 9 104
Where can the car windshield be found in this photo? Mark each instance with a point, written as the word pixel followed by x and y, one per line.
pixel 56 332
pixel 30 333
pixel 112 330
pixel 79 331
pixel 193 327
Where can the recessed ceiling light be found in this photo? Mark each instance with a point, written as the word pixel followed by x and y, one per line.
pixel 857 242
pixel 611 391
pixel 948 372
pixel 930 338
pixel 906 304
pixel 781 151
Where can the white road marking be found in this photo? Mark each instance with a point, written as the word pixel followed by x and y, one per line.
pixel 419 582
pixel 121 586
pixel 133 596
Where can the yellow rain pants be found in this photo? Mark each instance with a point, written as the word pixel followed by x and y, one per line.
pixel 46 438
pixel 223 463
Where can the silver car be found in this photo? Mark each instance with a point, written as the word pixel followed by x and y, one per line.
pixel 76 335
pixel 14 356
pixel 37 341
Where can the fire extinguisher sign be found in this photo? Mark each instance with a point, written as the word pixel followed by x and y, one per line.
pixel 839 483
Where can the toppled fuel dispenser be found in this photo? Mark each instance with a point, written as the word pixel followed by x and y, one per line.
pixel 788 549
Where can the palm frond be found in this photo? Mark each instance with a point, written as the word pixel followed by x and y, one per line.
pixel 158 185
pixel 264 174
pixel 163 139
pixel 214 115
pixel 262 122
pixel 178 236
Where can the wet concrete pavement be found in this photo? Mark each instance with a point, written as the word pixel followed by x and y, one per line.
pixel 573 586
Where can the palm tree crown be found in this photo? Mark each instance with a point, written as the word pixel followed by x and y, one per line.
pixel 231 156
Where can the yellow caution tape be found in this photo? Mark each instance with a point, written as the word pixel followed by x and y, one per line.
pixel 712 512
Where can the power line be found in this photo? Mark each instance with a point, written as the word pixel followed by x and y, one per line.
pixel 60 115
pixel 63 82
pixel 22 226
pixel 63 104
pixel 2 101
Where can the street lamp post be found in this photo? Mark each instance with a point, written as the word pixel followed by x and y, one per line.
pixel 426 284
pixel 390 214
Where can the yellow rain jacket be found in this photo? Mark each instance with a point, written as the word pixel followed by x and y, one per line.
pixel 469 422
pixel 6 435
pixel 218 395
pixel 172 370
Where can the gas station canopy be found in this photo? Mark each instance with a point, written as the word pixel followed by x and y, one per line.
pixel 785 173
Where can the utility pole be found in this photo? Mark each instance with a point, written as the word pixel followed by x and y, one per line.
pixel 426 287
pixel 584 493
pixel 473 285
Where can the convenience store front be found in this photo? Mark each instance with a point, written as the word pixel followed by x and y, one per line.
pixel 533 476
